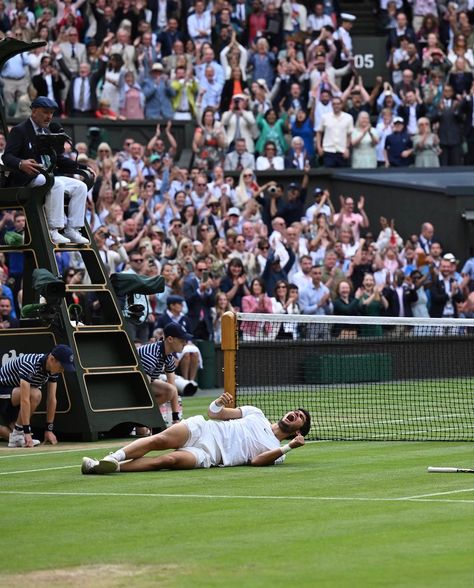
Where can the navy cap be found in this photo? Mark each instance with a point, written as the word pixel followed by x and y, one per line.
pixel 294 186
pixel 63 353
pixel 174 299
pixel 175 330
pixel 318 191
pixel 44 102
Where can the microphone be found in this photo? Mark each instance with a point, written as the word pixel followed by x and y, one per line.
pixel 55 127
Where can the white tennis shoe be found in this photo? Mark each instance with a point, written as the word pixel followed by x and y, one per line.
pixel 107 465
pixel 75 236
pixel 17 439
pixel 88 465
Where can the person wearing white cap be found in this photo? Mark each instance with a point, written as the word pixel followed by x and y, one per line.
pixel 398 146
pixel 158 93
pixel 343 34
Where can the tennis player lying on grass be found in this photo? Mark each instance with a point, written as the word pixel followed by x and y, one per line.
pixel 233 436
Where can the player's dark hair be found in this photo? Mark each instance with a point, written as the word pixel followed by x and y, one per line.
pixel 307 425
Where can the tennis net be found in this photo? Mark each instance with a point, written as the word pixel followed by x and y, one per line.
pixel 365 378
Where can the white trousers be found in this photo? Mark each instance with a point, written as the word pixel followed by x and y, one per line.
pixel 54 202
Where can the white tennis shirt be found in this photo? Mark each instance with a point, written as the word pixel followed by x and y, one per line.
pixel 240 440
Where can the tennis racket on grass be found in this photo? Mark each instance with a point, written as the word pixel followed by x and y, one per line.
pixel 433 470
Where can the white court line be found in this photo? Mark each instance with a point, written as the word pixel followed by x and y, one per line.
pixel 39 470
pixel 86 447
pixel 437 494
pixel 230 496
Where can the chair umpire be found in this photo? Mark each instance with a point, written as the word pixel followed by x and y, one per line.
pixel 25 163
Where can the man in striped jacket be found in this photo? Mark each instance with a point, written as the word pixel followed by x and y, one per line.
pixel 20 393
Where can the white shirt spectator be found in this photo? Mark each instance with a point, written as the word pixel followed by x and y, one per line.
pixel 198 23
pixel 335 130
pixel 263 163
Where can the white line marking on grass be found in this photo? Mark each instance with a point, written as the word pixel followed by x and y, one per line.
pixel 34 452
pixel 437 494
pixel 87 448
pixel 230 496
pixel 38 470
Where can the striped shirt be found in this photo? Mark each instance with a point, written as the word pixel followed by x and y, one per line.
pixel 30 367
pixel 154 360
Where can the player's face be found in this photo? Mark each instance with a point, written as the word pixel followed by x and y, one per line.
pixel 292 421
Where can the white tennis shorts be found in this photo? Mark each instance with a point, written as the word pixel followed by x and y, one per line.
pixel 201 442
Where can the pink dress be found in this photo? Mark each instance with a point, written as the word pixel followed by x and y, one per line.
pixel 256 329
pixel 133 109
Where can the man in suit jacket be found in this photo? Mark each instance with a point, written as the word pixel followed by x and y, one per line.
pixel 450 129
pixel 445 292
pixel 73 52
pixel 240 158
pixel 48 83
pixel 25 163
pixel 400 295
pixel 199 295
pixel 81 99
pixel 171 13
pixel 467 109
pixel 412 105
pixel 168 37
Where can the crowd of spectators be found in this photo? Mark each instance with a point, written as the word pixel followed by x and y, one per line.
pixel 263 71
pixel 269 86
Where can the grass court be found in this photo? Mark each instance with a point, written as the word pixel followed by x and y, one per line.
pixel 337 514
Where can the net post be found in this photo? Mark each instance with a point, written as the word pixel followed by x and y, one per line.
pixel 229 348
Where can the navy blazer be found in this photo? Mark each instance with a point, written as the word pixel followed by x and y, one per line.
pixel 22 144
pixel 439 298
pixel 197 305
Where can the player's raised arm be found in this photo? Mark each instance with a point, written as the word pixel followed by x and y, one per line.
pixel 218 409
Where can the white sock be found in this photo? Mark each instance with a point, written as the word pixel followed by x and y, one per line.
pixel 119 455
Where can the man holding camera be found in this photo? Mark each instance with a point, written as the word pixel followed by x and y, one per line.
pixel 239 123
pixel 27 166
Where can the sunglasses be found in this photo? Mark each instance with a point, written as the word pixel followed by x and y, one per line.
pixel 137 260
pixel 264 248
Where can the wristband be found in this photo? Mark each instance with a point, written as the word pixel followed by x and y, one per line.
pixel 49 427
pixel 19 428
pixel 175 416
pixel 285 449
pixel 20 164
pixel 214 407
pixel 27 429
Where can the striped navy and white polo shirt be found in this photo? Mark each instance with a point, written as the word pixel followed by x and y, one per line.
pixel 30 367
pixel 154 360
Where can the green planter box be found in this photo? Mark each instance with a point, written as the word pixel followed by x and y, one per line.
pixel 207 375
pixel 336 369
